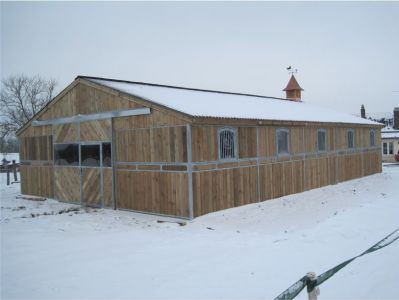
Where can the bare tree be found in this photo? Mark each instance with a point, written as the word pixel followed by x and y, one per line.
pixel 22 97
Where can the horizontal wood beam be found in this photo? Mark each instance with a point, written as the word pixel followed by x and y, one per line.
pixel 92 117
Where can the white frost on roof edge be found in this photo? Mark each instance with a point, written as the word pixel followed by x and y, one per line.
pixel 219 105
pixel 389 133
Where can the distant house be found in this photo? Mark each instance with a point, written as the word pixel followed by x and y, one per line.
pixel 187 152
pixel 390 139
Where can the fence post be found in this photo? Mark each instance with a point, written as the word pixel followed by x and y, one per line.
pixel 8 175
pixel 14 167
pixel 312 289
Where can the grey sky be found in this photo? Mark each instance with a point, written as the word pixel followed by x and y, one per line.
pixel 347 53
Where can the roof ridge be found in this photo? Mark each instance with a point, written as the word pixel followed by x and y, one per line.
pixel 179 87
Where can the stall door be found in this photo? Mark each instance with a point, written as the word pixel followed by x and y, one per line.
pixel 91 174
pixel 96 174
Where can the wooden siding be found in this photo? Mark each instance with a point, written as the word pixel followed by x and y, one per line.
pixel 163 144
pixel 37 131
pixel 298 171
pixel 93 100
pixel 67 184
pixel 267 141
pixel 84 99
pixel 350 167
pixel 297 138
pixel 164 193
pixel 37 181
pixel 310 139
pixel 66 133
pixel 99 130
pixel 204 143
pixel 372 163
pixel 247 142
pixel 221 189
pixel 214 189
pixel 302 140
pixel 331 139
pixel 107 186
pixel 64 107
pixel 277 180
pixel 36 148
pixel 155 119
pixel 91 186
pixel 341 138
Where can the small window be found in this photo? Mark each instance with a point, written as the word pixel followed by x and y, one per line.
pixel 372 138
pixel 282 141
pixel 227 143
pixel 384 148
pixel 107 158
pixel 350 135
pixel 390 148
pixel 321 140
pixel 90 155
pixel 66 154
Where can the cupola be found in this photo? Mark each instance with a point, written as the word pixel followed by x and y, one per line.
pixel 293 90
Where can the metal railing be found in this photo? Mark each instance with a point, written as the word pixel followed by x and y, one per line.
pixel 312 283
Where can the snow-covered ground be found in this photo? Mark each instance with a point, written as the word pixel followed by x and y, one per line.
pixel 10 157
pixel 56 250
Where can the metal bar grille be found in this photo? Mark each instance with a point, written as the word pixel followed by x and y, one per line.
pixel 372 138
pixel 350 139
pixel 227 143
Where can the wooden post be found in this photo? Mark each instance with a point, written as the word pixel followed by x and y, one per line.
pixel 14 167
pixel 8 175
pixel 312 289
pixel 189 172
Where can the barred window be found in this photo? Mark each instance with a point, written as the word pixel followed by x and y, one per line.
pixel 372 138
pixel 350 135
pixel 282 141
pixel 321 140
pixel 227 143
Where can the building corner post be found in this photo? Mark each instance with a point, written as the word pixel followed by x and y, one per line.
pixel 113 159
pixel 190 173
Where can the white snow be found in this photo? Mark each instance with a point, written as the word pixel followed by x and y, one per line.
pixel 10 157
pixel 219 105
pixel 389 133
pixel 254 251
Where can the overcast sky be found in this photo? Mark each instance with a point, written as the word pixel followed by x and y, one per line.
pixel 347 54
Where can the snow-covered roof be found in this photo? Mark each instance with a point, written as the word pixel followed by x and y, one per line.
pixel 389 133
pixel 204 103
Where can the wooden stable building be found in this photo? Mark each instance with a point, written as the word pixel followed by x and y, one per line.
pixel 187 152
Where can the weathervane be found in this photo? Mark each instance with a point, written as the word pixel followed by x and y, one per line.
pixel 291 70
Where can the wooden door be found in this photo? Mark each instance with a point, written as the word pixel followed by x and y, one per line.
pixel 91 186
pixel 91 174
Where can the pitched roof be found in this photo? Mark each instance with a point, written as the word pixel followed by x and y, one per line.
pixel 218 104
pixel 293 85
